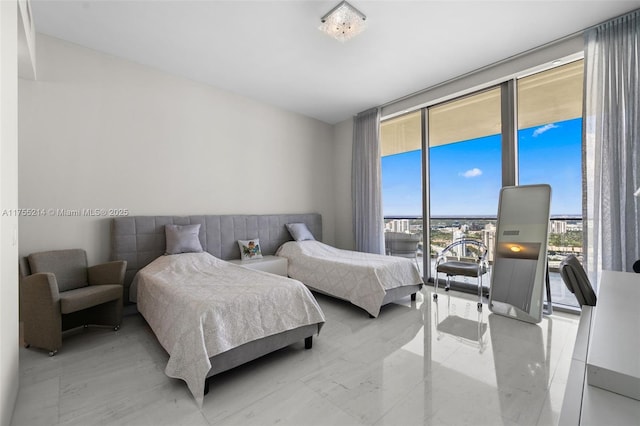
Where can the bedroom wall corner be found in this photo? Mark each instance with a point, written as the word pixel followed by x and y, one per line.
pixel 102 135
pixel 343 141
pixel 9 327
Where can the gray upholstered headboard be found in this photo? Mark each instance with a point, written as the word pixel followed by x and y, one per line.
pixel 141 239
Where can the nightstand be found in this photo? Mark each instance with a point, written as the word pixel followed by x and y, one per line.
pixel 273 264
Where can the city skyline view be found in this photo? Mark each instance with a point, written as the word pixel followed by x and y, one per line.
pixel 466 177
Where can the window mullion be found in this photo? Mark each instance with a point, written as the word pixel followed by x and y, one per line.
pixel 509 112
pixel 426 221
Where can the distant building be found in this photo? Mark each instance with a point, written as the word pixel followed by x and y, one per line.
pixel 576 226
pixel 398 225
pixel 558 227
pixel 458 234
pixel 489 239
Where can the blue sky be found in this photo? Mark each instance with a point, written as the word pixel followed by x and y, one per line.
pixel 466 176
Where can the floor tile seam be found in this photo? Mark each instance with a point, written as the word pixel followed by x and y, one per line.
pixel 410 391
pixel 335 407
pixel 109 403
pixel 547 399
pixel 59 398
pixel 204 417
pixel 554 380
pixel 399 400
pixel 222 420
pixel 537 414
pixel 19 406
pixel 328 366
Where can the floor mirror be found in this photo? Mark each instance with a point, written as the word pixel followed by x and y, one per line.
pixel 519 271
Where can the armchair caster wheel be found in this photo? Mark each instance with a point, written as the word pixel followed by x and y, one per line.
pixel 446 289
pixel 116 328
pixel 479 307
pixel 26 345
pixel 52 353
pixel 435 297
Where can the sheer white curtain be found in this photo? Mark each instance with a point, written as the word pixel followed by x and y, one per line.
pixel 366 190
pixel 612 145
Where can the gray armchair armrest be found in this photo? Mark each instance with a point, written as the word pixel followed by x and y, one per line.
pixel 40 306
pixel 40 288
pixel 107 273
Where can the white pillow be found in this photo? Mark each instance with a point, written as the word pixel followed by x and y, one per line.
pixel 299 231
pixel 250 249
pixel 182 239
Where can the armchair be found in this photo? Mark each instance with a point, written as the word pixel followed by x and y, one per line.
pixel 402 245
pixel 58 292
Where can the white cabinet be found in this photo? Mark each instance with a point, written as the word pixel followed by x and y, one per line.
pixel 605 358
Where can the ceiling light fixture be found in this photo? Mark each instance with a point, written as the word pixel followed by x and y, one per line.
pixel 343 22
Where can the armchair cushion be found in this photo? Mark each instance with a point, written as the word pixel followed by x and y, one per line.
pixel 466 269
pixel 87 297
pixel 69 267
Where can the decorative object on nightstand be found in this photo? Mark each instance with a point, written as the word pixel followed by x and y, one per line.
pixel 250 249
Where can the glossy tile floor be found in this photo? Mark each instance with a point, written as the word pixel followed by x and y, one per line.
pixel 419 363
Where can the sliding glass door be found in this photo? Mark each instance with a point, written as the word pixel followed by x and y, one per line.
pixel 401 157
pixel 550 151
pixel 523 131
pixel 465 169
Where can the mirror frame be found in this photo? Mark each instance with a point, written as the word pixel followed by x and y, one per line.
pixel 519 269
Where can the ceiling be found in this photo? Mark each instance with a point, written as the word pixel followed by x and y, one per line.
pixel 272 51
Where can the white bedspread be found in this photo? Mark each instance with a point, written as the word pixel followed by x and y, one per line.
pixel 199 306
pixel 361 278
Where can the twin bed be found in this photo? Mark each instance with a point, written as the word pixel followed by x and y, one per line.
pixel 211 315
pixel 367 280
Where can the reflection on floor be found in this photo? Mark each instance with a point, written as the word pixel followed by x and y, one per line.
pixel 419 363
pixel 560 294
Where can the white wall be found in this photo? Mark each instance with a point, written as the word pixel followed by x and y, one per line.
pixel 343 142
pixel 100 132
pixel 8 201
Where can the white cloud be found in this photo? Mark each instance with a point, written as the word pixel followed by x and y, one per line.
pixel 540 130
pixel 471 173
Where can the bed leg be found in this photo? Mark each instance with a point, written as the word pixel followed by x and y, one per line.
pixel 308 342
pixel 413 297
pixel 206 386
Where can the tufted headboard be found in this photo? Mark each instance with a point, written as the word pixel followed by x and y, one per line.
pixel 141 239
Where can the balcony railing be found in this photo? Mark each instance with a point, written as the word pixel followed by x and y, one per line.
pixel 565 237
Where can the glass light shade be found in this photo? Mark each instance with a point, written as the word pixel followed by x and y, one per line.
pixel 343 22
